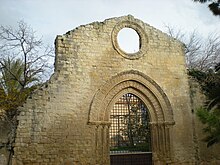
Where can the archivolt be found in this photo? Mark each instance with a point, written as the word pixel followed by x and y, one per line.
pixel 131 82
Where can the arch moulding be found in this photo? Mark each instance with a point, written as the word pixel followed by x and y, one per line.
pixel 135 82
pixel 159 107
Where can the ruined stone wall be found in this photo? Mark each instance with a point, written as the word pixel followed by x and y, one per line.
pixel 204 155
pixel 53 125
pixel 4 141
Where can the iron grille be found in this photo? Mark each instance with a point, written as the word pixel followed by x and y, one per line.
pixel 129 130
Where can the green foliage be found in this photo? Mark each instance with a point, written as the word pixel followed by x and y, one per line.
pixel 214 5
pixel 12 71
pixel 136 125
pixel 209 115
pixel 215 8
pixel 211 118
pixel 137 128
pixel 23 63
pixel 209 81
pixel 12 92
pixel 143 147
pixel 131 125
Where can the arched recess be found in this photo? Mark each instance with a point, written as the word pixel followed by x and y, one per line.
pixel 160 111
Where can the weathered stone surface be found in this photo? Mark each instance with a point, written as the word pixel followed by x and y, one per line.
pixel 4 139
pixel 67 121
pixel 203 155
pixel 3 160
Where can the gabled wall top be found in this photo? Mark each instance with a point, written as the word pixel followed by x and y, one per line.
pixel 102 36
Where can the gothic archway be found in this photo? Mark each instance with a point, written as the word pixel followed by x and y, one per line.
pixel 129 134
pixel 160 112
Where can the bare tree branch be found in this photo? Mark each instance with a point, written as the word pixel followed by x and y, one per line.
pixel 24 62
pixel 201 53
pixel 23 44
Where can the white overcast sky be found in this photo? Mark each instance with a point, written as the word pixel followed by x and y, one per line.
pixel 54 17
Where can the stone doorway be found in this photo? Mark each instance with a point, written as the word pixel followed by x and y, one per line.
pixel 160 113
pixel 130 135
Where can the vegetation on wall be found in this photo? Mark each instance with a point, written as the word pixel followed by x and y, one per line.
pixel 202 53
pixel 130 130
pixel 24 64
pixel 214 5
pixel 203 63
pixel 209 114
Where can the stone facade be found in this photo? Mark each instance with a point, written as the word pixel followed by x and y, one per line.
pixel 67 120
pixel 204 155
pixel 4 140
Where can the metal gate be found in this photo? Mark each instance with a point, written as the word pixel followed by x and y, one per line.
pixel 143 158
pixel 130 132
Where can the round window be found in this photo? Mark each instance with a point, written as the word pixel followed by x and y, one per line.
pixel 128 40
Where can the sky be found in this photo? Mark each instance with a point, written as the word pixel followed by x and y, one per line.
pixel 50 18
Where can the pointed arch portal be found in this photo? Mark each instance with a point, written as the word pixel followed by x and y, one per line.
pixel 129 131
pixel 157 104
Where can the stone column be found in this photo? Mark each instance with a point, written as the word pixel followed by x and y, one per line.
pixel 160 140
pixel 102 142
